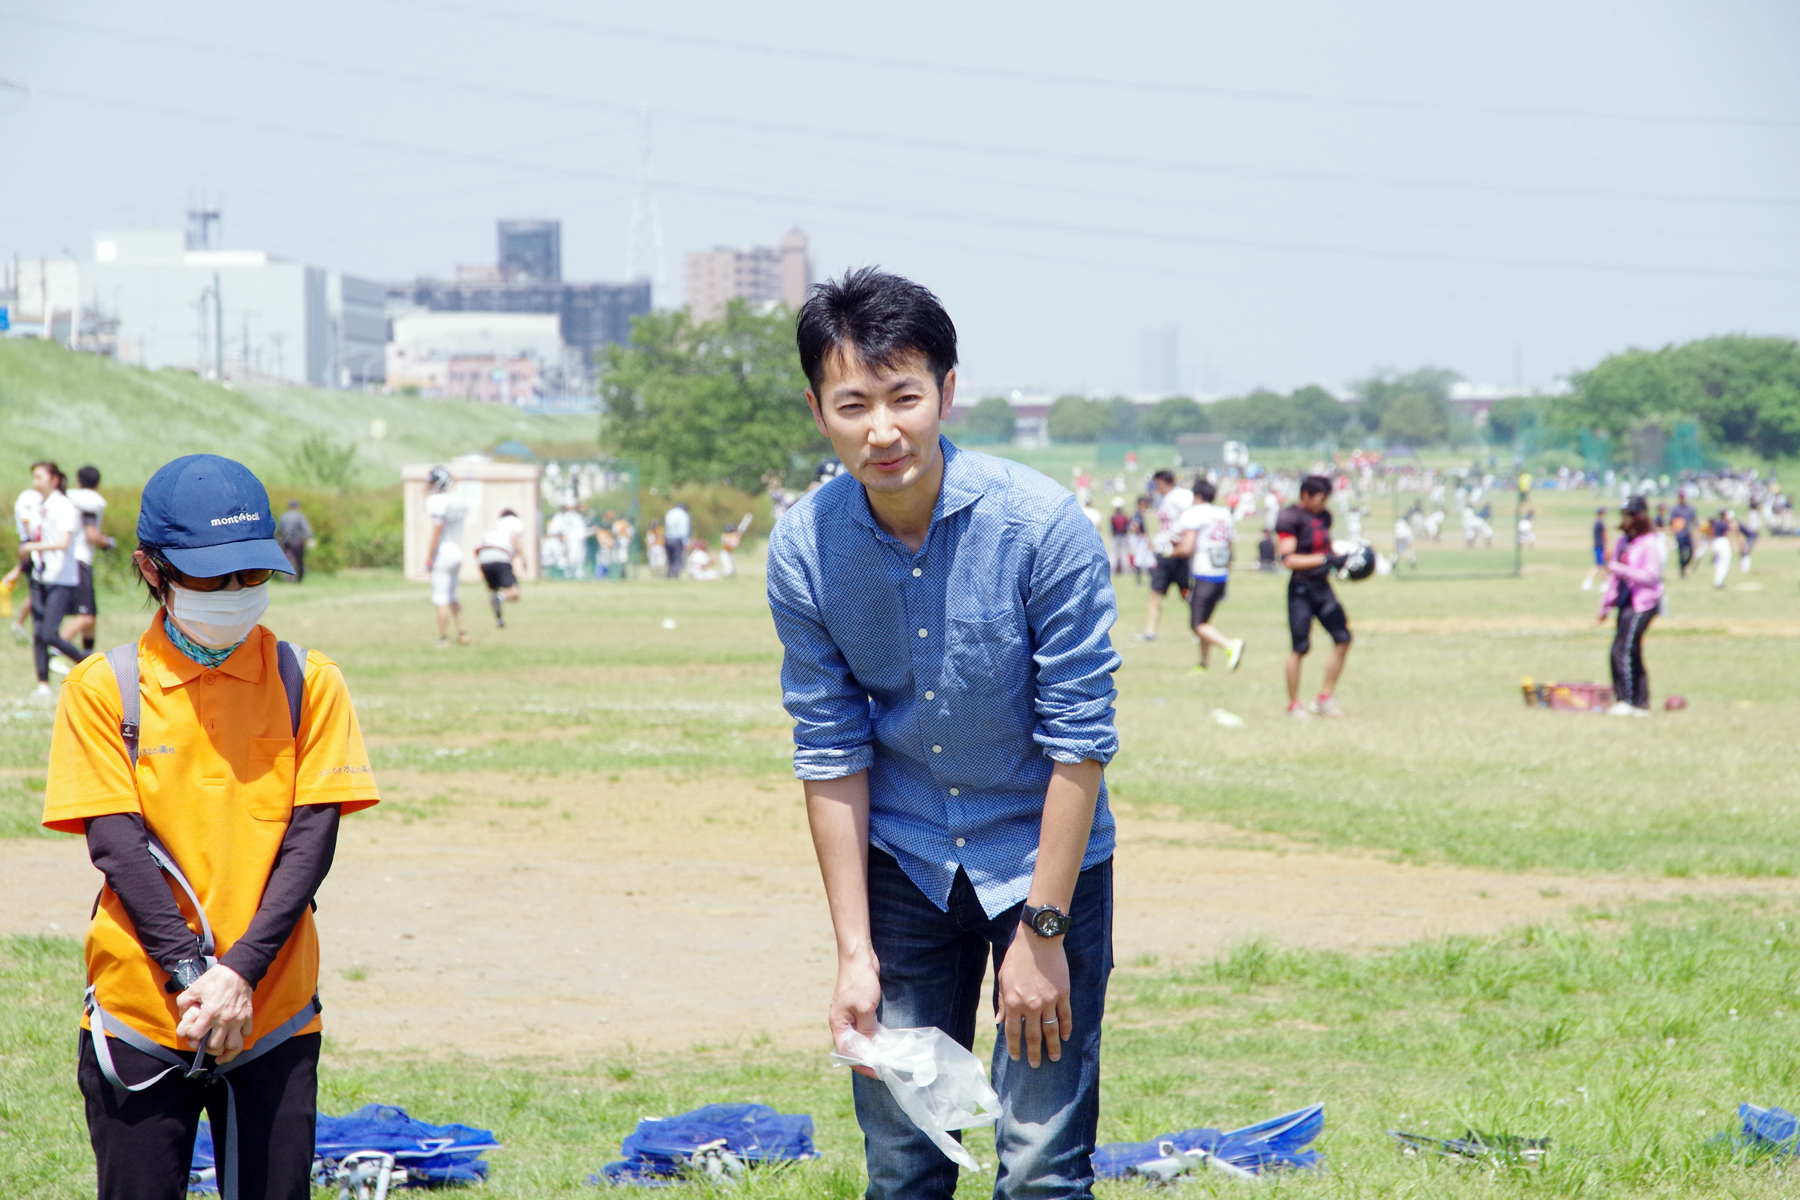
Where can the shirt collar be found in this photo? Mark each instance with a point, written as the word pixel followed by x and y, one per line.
pixel 957 491
pixel 173 668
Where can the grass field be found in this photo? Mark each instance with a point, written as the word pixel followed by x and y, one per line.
pixel 1627 1035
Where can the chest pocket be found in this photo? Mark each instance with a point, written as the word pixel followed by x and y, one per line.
pixel 271 782
pixel 983 650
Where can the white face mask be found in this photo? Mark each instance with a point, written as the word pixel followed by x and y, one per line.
pixel 218 619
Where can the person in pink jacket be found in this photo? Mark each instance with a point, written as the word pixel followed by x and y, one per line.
pixel 1634 587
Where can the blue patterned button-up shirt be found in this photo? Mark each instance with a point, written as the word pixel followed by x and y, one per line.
pixel 955 675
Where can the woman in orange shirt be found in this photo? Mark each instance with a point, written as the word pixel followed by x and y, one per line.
pixel 207 767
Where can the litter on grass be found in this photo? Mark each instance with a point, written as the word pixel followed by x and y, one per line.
pixel 1227 719
pixel 718 1142
pixel 1567 697
pixel 937 1083
pixel 352 1153
pixel 1246 1153
pixel 1474 1146
pixel 1769 1130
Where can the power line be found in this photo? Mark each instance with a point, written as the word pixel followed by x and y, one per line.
pixel 982 149
pixel 1009 222
pixel 817 58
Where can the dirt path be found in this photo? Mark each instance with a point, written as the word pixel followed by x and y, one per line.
pixel 660 915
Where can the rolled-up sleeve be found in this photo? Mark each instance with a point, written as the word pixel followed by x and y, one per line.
pixel 1071 609
pixel 833 733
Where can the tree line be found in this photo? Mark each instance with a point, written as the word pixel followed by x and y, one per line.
pixel 1743 392
pixel 1411 407
pixel 720 402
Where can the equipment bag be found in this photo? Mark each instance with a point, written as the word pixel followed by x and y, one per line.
pixel 123 660
pixel 663 1149
pixel 1277 1142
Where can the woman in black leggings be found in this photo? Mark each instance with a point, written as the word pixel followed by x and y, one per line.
pixel 56 572
pixel 1634 588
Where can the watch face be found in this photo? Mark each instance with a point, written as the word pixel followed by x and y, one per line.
pixel 1050 923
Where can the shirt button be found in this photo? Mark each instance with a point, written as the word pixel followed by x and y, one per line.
pixel 924 633
pixel 959 841
pixel 931 695
pixel 937 749
pixel 210 677
pixel 956 791
pixel 917 572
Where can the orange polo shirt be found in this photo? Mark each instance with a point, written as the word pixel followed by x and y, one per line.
pixel 218 775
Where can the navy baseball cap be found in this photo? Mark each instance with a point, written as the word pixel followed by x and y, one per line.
pixel 210 516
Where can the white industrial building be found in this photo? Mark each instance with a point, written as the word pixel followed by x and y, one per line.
pixel 243 314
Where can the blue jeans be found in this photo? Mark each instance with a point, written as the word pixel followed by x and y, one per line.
pixel 932 964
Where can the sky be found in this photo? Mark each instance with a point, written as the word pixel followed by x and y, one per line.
pixel 1306 189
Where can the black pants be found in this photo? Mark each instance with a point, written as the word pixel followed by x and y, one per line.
pixel 677 550
pixel 144 1144
pixel 1630 684
pixel 296 556
pixel 46 631
pixel 1684 550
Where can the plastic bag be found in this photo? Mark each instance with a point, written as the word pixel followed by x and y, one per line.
pixel 936 1082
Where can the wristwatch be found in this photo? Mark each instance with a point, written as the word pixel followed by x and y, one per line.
pixel 1047 922
pixel 186 974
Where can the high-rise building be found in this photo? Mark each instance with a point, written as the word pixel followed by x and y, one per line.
pixel 530 251
pixel 1159 361
pixel 759 274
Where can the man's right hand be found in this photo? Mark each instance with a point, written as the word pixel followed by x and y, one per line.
pixel 855 999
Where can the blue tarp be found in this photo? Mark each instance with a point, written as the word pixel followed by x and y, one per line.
pixel 1770 1129
pixel 658 1150
pixel 1278 1142
pixel 438 1154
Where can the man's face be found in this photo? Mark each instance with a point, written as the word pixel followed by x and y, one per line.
pixel 882 423
pixel 1314 502
pixel 1164 487
pixel 42 482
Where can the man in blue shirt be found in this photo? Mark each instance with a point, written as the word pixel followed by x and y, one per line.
pixel 946 620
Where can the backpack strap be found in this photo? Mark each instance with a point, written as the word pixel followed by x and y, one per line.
pixel 291 661
pixel 124 663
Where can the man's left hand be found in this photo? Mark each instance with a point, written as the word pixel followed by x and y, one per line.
pixel 1034 997
pixel 216 1011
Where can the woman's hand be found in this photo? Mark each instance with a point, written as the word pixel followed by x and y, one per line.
pixel 216 1011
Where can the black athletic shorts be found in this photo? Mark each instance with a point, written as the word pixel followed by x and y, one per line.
pixel 1310 600
pixel 84 591
pixel 1169 572
pixel 1206 595
pixel 499 576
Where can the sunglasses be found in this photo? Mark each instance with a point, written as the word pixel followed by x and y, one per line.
pixel 209 583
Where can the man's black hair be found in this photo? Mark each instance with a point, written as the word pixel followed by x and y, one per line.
pixel 1204 489
pixel 88 477
pixel 507 512
pixel 1315 485
pixel 883 318
pixel 1166 476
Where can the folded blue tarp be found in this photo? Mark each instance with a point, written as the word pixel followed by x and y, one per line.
pixel 434 1154
pixel 1278 1142
pixel 661 1148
